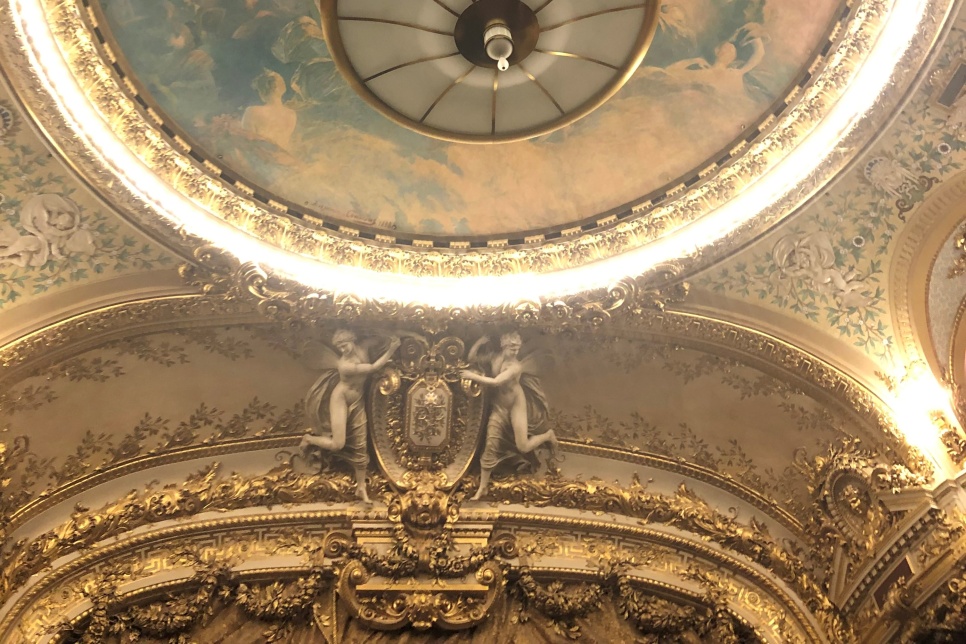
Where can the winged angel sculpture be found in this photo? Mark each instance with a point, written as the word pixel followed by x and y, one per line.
pixel 336 403
pixel 518 410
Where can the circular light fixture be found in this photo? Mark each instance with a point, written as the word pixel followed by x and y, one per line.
pixel 488 71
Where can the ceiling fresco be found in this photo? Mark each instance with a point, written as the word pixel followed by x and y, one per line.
pixel 217 67
pixel 54 233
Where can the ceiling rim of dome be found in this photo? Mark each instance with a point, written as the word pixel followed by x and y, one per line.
pixel 457 276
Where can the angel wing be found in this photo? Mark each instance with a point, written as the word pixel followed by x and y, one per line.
pixel 539 356
pixel 318 355
pixel 537 407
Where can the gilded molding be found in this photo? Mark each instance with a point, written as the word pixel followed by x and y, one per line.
pixel 951 437
pixel 17 516
pixel 750 592
pixel 90 329
pixel 828 616
pixel 911 262
pixel 91 66
pixel 203 492
pixel 696 472
pixel 218 272
pixel 300 599
pixel 941 618
pixel 685 511
pixel 665 621
pixel 207 492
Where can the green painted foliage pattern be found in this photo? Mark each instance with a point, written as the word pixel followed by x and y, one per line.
pixel 26 170
pixel 861 220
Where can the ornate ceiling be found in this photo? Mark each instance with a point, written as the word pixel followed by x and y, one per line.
pixel 749 367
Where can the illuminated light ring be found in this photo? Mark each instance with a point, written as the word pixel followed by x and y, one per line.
pixel 777 183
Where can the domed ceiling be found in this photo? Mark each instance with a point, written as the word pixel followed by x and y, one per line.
pixel 235 122
pixel 255 91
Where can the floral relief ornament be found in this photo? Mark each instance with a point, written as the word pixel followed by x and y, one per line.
pixel 811 258
pixel 51 228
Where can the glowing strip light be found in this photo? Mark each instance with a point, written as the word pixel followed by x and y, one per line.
pixel 782 179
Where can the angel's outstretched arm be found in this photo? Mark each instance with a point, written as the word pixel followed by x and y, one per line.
pixel 475 349
pixel 380 362
pixel 505 376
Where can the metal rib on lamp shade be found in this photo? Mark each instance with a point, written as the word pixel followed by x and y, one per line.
pixel 423 63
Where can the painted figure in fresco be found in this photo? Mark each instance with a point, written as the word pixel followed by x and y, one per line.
pixel 518 411
pixel 272 121
pixel 184 72
pixel 336 402
pixel 53 230
pixel 730 69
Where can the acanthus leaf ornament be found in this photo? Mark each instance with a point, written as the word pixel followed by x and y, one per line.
pixel 216 271
pixel 203 491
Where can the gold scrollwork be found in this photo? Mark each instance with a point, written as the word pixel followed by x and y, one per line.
pixel 204 491
pixel 299 596
pixel 686 511
pixel 422 580
pixel 952 438
pixel 942 618
pixel 665 621
pixel 846 483
pixel 561 605
pixel 391 606
pixel 217 271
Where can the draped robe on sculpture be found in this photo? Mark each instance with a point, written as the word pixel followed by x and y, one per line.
pixel 356 451
pixel 500 450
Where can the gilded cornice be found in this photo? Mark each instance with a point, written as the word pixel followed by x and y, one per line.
pixel 657 609
pixel 692 471
pixel 224 538
pixel 646 222
pixel 892 550
pixel 205 452
pixel 100 475
pixel 911 267
pixel 927 604
pixel 532 521
pixel 91 329
pixel 205 491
